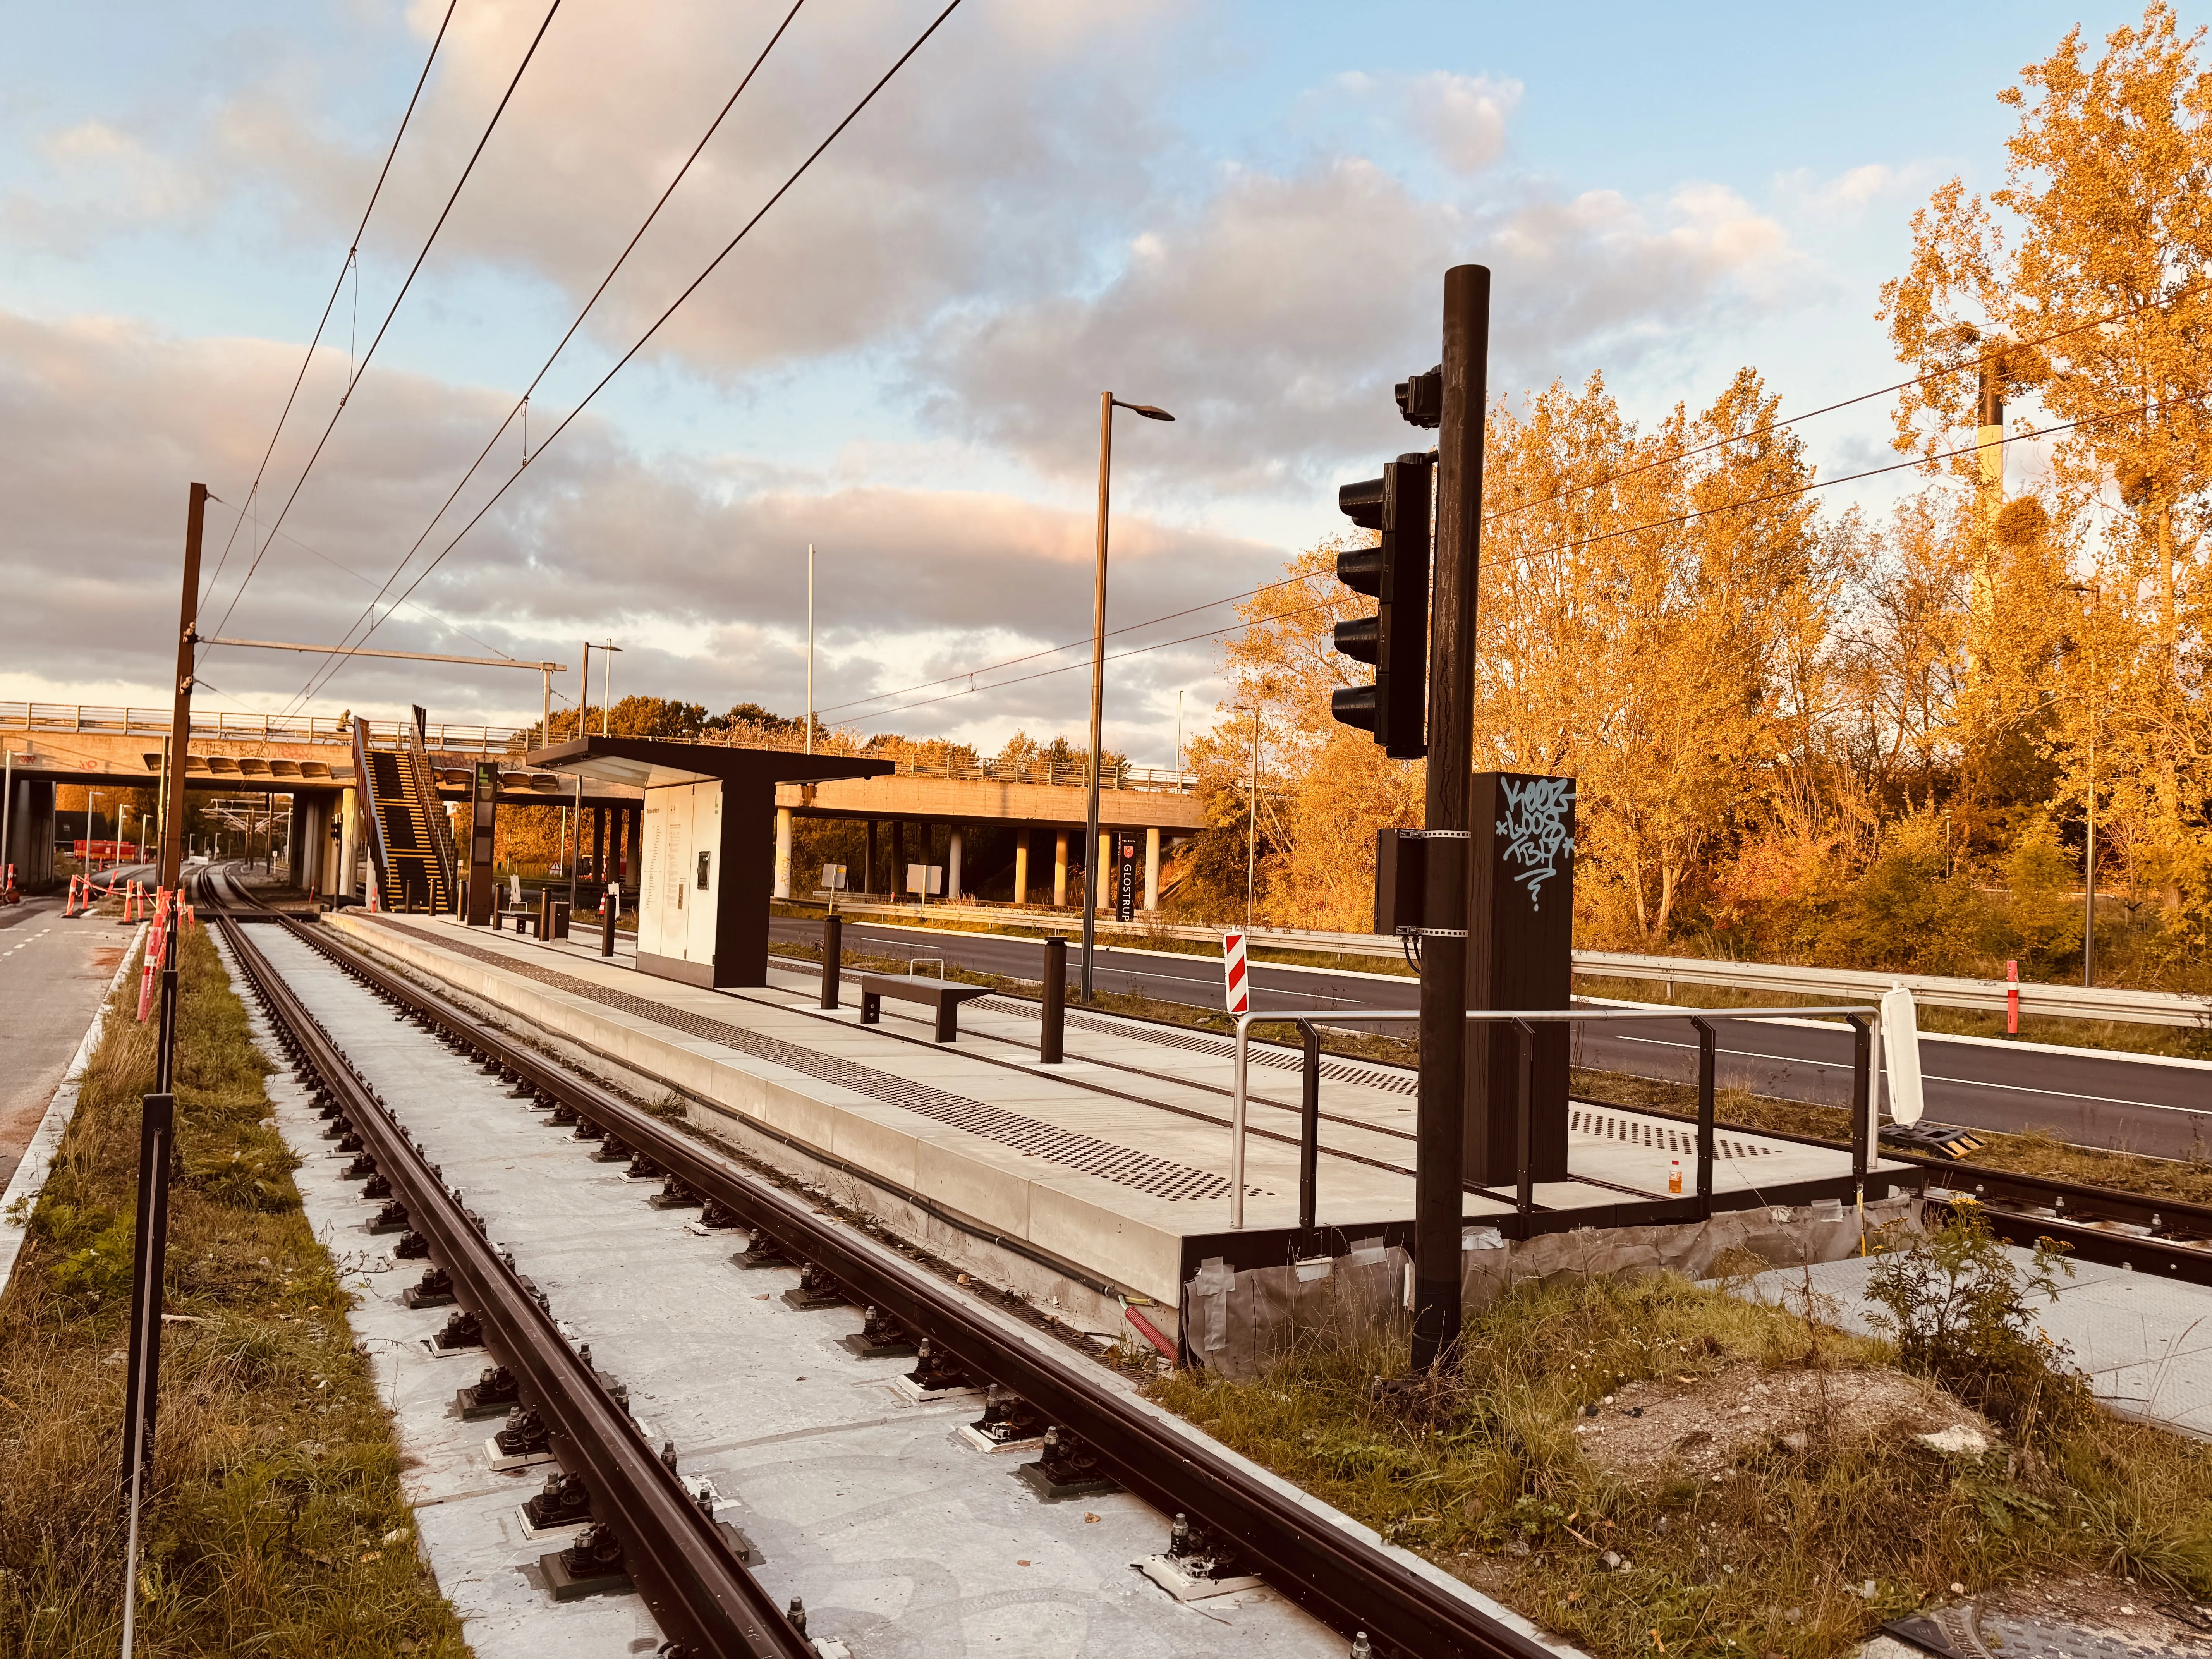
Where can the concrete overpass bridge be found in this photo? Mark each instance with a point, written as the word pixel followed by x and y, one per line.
pixel 310 759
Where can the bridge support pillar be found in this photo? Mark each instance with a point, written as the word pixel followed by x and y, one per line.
pixel 783 888
pixel 1152 868
pixel 349 843
pixel 295 841
pixel 1022 865
pixel 1059 869
pixel 868 873
pixel 953 862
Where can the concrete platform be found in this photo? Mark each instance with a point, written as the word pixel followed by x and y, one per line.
pixel 1107 1174
pixel 2145 1344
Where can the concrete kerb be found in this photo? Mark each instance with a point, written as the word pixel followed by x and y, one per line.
pixel 787 1131
pixel 29 1179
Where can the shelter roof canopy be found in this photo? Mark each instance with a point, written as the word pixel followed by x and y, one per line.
pixel 649 762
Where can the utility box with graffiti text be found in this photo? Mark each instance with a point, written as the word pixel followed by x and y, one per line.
pixel 1520 915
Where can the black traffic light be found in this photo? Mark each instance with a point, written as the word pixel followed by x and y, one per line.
pixel 1395 638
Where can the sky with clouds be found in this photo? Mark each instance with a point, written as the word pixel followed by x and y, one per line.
pixel 1239 211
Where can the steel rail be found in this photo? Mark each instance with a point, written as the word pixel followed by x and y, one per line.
pixel 699 1593
pixel 1340 1577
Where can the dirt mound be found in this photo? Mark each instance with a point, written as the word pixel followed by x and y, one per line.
pixel 1704 1424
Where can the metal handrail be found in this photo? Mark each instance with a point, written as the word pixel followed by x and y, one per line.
pixel 1866 1023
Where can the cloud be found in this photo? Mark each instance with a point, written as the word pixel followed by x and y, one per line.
pixel 1273 316
pixel 698 570
pixel 1463 118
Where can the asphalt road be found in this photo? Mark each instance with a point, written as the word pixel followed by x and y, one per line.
pixel 2136 1104
pixel 51 975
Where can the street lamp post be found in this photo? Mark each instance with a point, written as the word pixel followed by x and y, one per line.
pixel 1108 403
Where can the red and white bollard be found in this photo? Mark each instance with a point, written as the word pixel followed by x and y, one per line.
pixel 2012 999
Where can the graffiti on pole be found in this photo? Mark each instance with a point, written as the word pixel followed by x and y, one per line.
pixel 1535 829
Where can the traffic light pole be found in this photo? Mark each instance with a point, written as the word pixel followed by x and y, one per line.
pixel 1440 1123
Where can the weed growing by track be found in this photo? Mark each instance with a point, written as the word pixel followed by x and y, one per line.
pixel 275 1523
pixel 1780 1480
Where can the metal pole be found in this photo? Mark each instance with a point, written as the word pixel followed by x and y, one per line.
pixel 1705 1056
pixel 545 720
pixel 141 1378
pixel 180 712
pixel 1252 823
pixel 91 852
pixel 810 647
pixel 1309 1127
pixel 2089 863
pixel 1862 1091
pixel 1524 1184
pixel 607 687
pixel 1440 1125
pixel 1098 691
pixel 584 693
pixel 575 847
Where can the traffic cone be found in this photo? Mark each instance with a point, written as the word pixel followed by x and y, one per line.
pixel 69 907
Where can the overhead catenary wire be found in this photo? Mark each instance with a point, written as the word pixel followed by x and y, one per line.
pixel 350 263
pixel 345 569
pixel 690 289
pixel 521 409
pixel 361 369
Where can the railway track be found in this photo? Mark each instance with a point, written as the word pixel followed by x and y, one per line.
pixel 1233 1523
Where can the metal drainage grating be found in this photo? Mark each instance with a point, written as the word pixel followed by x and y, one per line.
pixel 1156 1178
pixel 1644 1132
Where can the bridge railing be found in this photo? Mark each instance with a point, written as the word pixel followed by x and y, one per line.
pixel 225 726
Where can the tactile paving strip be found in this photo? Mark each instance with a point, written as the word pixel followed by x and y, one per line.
pixel 1647 1132
pixel 1156 1178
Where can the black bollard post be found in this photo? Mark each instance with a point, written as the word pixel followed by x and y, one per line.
pixel 610 902
pixel 1055 1002
pixel 833 955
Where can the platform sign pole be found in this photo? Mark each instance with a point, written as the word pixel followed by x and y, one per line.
pixel 1236 984
pixel 156 1140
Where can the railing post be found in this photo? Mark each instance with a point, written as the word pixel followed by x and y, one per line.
pixel 1705 1056
pixel 1862 1091
pixel 1052 1029
pixel 1524 1187
pixel 1308 1125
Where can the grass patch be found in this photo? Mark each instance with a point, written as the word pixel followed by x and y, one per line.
pixel 274 1524
pixel 1767 1549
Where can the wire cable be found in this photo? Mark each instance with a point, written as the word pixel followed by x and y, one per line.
pixel 522 405
pixel 361 368
pixel 661 321
pixel 353 251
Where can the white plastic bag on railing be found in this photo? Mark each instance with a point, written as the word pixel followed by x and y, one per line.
pixel 1900 1041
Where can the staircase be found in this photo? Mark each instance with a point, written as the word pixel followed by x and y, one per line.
pixel 410 845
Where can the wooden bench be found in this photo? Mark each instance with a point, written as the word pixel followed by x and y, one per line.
pixel 943 995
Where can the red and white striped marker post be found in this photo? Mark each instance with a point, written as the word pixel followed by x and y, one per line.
pixel 2012 999
pixel 1235 984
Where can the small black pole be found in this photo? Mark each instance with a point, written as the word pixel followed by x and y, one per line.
pixel 609 903
pixel 1524 1185
pixel 1309 1126
pixel 1704 1116
pixel 157 1139
pixel 833 957
pixel 1861 1082
pixel 1053 1030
